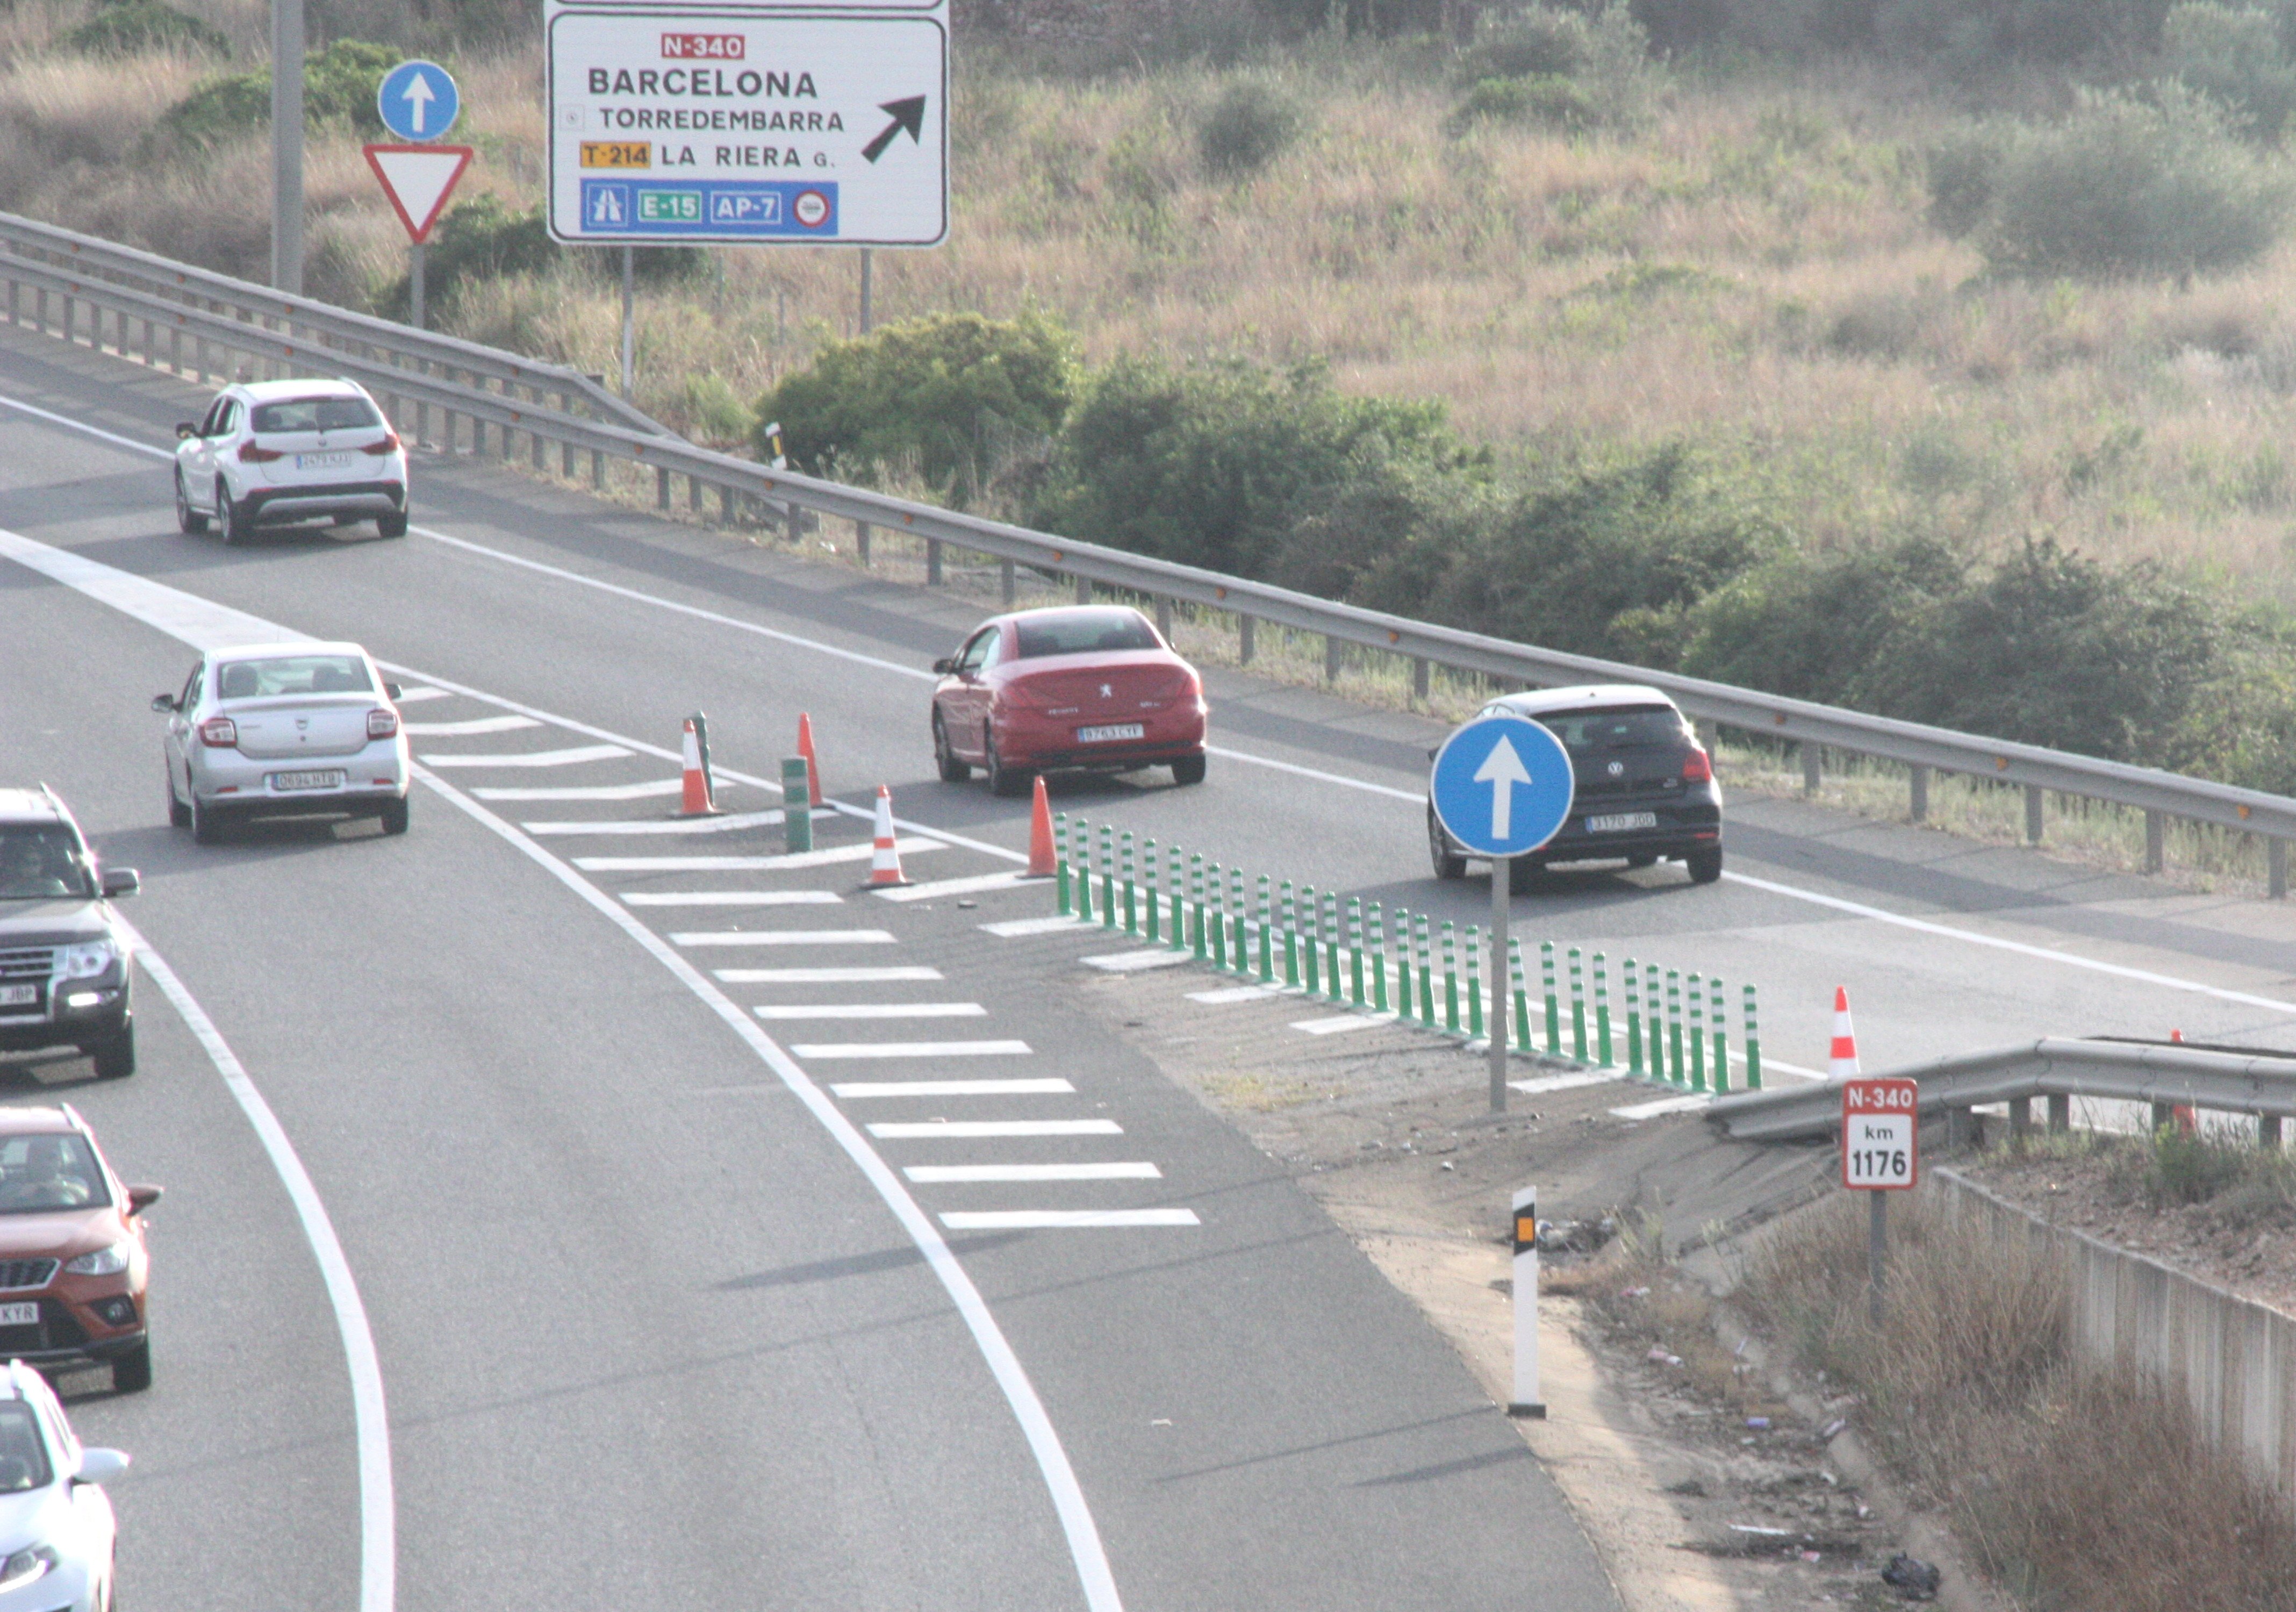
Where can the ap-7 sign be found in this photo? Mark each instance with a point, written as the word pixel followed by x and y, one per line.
pixel 1881 1127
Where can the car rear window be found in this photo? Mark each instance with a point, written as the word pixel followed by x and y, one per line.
pixel 292 674
pixel 23 1453
pixel 1083 632
pixel 42 861
pixel 49 1170
pixel 317 413
pixel 1614 729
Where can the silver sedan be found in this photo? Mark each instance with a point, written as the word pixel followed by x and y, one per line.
pixel 295 729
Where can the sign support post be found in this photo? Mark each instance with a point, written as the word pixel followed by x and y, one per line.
pixel 1881 1153
pixel 1877 1254
pixel 629 321
pixel 1525 1286
pixel 1502 884
pixel 287 146
pixel 865 277
pixel 414 255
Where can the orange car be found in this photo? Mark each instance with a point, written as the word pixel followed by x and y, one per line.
pixel 72 1259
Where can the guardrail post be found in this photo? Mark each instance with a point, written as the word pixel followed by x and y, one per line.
pixel 1243 634
pixel 1420 673
pixel 861 533
pixel 1554 1003
pixel 2021 1121
pixel 1578 1005
pixel 1084 590
pixel 2032 814
pixel 534 445
pixel 597 469
pixel 727 499
pixel 1919 784
pixel 1811 776
pixel 1753 1046
pixel 1163 617
pixel 2276 868
pixel 693 482
pixel 2164 1115
pixel 1008 582
pixel 2061 1112
pixel 933 561
pixel 1518 982
pixel 2267 1131
pixel 661 487
pixel 2156 837
pixel 1629 971
pixel 1061 858
pixel 1697 1032
pixel 1717 1028
pixel 1332 647
pixel 1601 1011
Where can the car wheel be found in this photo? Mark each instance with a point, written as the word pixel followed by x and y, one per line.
pixel 207 828
pixel 188 520
pixel 390 526
pixel 1448 863
pixel 1003 780
pixel 1524 875
pixel 1188 770
pixel 231 519
pixel 394 817
pixel 179 816
pixel 952 770
pixel 115 1054
pixel 1705 866
pixel 131 1373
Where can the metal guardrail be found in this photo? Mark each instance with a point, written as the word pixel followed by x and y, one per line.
pixel 2059 1069
pixel 175 301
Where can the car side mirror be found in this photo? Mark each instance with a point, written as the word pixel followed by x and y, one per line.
pixel 163 702
pixel 121 881
pixel 185 431
pixel 140 1198
pixel 100 1466
pixel 945 665
pixel 391 691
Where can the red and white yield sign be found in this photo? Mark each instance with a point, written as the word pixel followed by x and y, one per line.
pixel 418 179
pixel 1881 1133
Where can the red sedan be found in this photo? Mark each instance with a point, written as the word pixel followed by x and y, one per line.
pixel 1089 686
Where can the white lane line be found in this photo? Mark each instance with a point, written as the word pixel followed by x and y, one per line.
pixel 979 884
pixel 82 426
pixel 1341 1023
pixel 648 790
pixel 966 1130
pixel 825 1050
pixel 1796 1070
pixel 749 864
pixel 415 696
pixel 646 826
pixel 1665 1105
pixel 926 1175
pixel 1273 765
pixel 574 756
pixel 1014 928
pixel 732 897
pixel 1232 993
pixel 851 1090
pixel 783 937
pixel 474 725
pixel 1064 1220
pixel 874 1010
pixel 378 1518
pixel 1566 1083
pixel 827 976
pixel 1135 962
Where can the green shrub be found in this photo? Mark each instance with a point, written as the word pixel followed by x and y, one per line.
pixel 126 28
pixel 1547 100
pixel 1806 626
pixel 1963 171
pixel 481 239
pixel 1537 43
pixel 954 393
pixel 712 411
pixel 2236 59
pixel 1249 126
pixel 339 87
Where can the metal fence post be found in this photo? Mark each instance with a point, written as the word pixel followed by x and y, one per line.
pixel 1810 767
pixel 2032 814
pixel 1244 646
pixel 2156 835
pixel 1919 786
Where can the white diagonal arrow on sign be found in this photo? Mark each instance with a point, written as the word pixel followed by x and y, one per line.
pixel 1502 769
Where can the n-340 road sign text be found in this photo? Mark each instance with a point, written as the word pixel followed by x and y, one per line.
pixel 1881 1133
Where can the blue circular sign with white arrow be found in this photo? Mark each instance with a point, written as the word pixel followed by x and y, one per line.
pixel 1501 785
pixel 418 101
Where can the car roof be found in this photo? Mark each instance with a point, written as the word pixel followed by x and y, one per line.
pixel 43 1121
pixel 1584 696
pixel 271 391
pixel 30 806
pixel 286 646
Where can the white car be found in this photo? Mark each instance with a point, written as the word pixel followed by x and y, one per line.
pixel 297 730
pixel 277 451
pixel 57 1533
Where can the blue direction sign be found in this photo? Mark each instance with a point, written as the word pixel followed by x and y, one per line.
pixel 418 101
pixel 1501 785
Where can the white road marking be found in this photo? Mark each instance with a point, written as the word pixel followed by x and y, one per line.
pixel 1014 928
pixel 574 756
pixel 979 884
pixel 1135 962
pixel 874 1010
pixel 648 826
pixel 100 434
pixel 1567 1082
pixel 1796 1070
pixel 1665 1105
pixel 748 864
pixel 1232 993
pixel 648 790
pixel 1341 1023
pixel 825 1050
pixel 732 897
pixel 475 725
pixel 933 1175
pixel 911 1131
pixel 783 937
pixel 850 1089
pixel 827 976
pixel 378 1509
pixel 1064 1220
pixel 414 696
pixel 1297 770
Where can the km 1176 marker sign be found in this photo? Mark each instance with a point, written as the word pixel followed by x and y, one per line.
pixel 1881 1132
pixel 731 125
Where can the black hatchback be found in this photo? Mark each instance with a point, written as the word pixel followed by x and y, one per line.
pixel 1644 786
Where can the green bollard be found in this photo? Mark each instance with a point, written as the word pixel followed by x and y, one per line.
pixel 1331 931
pixel 1107 876
pixel 1131 910
pixel 1553 1007
pixel 1474 983
pixel 1149 889
pixel 1355 949
pixel 1697 1032
pixel 1081 843
pixel 797 814
pixel 1216 917
pixel 1426 973
pixel 1674 1071
pixel 1239 961
pixel 1060 860
pixel 1309 939
pixel 1719 1030
pixel 1178 928
pixel 1376 934
pixel 1603 1011
pixel 1404 995
pixel 1266 933
pixel 1753 1046
pixel 1578 1007
pixel 1196 902
pixel 1633 1017
pixel 1519 985
pixel 1451 977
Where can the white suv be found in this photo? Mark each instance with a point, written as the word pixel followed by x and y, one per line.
pixel 57 1532
pixel 277 451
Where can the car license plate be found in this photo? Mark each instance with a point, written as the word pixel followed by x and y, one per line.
pixel 1618 820
pixel 1102 736
pixel 19 996
pixel 20 1315
pixel 307 780
pixel 322 461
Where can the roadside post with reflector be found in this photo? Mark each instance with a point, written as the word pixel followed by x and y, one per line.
pixel 1881 1153
pixel 1526 1401
pixel 797 813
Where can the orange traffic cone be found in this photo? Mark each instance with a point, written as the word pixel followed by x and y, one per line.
pixel 699 802
pixel 1843 1063
pixel 1040 835
pixel 811 761
pixel 885 866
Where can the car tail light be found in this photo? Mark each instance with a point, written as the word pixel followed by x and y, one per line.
pixel 388 445
pixel 1697 768
pixel 219 733
pixel 250 453
pixel 382 722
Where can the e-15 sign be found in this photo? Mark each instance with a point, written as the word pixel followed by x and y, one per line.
pixel 1881 1134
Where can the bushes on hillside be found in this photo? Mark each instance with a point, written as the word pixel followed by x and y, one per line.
pixel 124 28
pixel 2236 58
pixel 339 87
pixel 1566 70
pixel 1247 127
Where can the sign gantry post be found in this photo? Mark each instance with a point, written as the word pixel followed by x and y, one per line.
pixel 1881 1153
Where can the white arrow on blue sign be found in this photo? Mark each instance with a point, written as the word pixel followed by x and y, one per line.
pixel 1501 785
pixel 418 101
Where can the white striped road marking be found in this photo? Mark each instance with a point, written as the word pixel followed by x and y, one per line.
pixel 720 825
pixel 1135 962
pixel 589 791
pixel 1796 1070
pixel 849 1090
pixel 475 725
pixel 910 1131
pixel 409 696
pixel 874 1010
pixel 784 937
pixel 750 864
pixel 732 897
pixel 1233 993
pixel 1340 1024
pixel 1665 1105
pixel 932 1174
pixel 573 757
pixel 978 884
pixel 1566 1083
pixel 887 1049
pixel 827 976
pixel 378 1509
pixel 1014 928
pixel 1064 1220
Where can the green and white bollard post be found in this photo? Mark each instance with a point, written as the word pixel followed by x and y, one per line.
pixel 1631 973
pixel 1150 889
pixel 1674 1064
pixel 1520 983
pixel 1330 928
pixel 1080 843
pixel 1697 1032
pixel 1355 950
pixel 1107 876
pixel 1406 998
pixel 1266 933
pixel 1474 983
pixel 1290 923
pixel 1310 947
pixel 1377 936
pixel 1426 947
pixel 1553 1005
pixel 1578 1007
pixel 1131 905
pixel 1603 1011
pixel 1060 859
pixel 1216 917
pixel 1178 928
pixel 1717 1027
pixel 1753 1046
pixel 1239 961
pixel 1196 902
pixel 1451 977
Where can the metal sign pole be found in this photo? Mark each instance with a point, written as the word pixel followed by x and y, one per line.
pixel 1877 1252
pixel 629 322
pixel 1501 883
pixel 867 276
pixel 287 146
pixel 415 286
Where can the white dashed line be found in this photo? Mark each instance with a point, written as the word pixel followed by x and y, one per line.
pixel 820 1051
pixel 827 976
pixel 732 897
pixel 1341 1025
pixel 784 937
pixel 1137 962
pixel 1233 993
pixel 474 725
pixel 979 884
pixel 1012 929
pixel 932 1174
pixel 868 1088
pixel 725 824
pixel 588 792
pixel 412 696
pixel 963 1129
pixel 874 1010
pixel 750 864
pixel 574 756
pixel 1064 1220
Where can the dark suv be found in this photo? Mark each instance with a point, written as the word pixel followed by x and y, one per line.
pixel 1644 786
pixel 63 968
